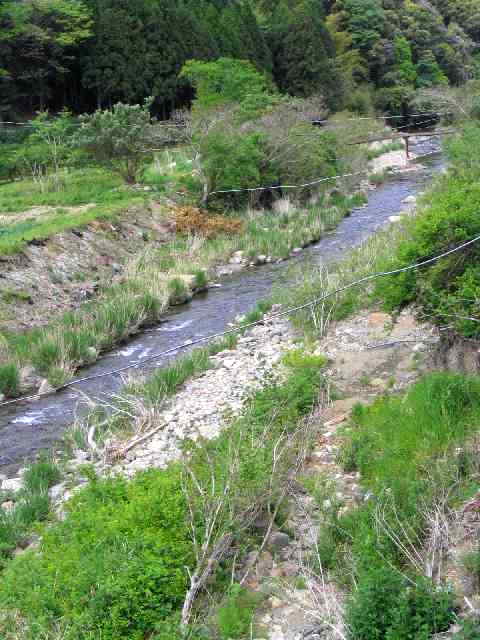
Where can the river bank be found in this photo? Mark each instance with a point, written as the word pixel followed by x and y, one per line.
pixel 25 430
pixel 370 357
pixel 80 274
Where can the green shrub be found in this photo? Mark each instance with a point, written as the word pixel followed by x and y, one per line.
pixel 114 568
pixel 116 138
pixel 387 606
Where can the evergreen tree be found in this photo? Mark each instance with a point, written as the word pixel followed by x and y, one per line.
pixel 304 53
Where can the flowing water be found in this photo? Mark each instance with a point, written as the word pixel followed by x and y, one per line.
pixel 27 428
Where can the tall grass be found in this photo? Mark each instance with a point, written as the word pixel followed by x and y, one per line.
pixel 314 281
pixel 9 379
pixel 406 451
pixel 32 505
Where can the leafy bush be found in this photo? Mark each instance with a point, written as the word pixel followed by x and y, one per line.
pixel 386 606
pixel 115 568
pixel 223 81
pixel 117 138
pixel 48 147
pixel 448 290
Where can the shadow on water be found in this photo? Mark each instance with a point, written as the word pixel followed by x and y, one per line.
pixel 27 428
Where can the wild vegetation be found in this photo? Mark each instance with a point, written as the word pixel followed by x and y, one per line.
pixel 446 292
pixel 146 557
pixel 415 472
pixel 241 133
pixel 139 533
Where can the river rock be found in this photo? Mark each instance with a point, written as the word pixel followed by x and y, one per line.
pixel 45 387
pixel 57 491
pixel 278 541
pixel 409 200
pixel 237 257
pixel 12 484
pixel 28 378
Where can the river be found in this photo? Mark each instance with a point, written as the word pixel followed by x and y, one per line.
pixel 26 428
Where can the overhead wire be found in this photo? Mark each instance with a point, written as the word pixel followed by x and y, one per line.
pixel 243 327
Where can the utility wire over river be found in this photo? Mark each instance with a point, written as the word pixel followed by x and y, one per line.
pixel 26 429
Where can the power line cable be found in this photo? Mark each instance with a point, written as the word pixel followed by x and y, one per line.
pixel 249 325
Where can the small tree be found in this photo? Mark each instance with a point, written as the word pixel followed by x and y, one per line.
pixel 117 138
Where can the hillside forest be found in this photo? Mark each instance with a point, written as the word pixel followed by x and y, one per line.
pixel 87 54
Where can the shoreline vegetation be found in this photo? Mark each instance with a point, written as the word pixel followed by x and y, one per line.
pixel 158 277
pixel 129 535
pixel 313 476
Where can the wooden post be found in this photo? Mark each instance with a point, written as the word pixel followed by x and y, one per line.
pixel 407 147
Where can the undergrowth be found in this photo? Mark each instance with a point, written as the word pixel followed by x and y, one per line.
pixel 448 291
pixel 405 448
pixel 116 566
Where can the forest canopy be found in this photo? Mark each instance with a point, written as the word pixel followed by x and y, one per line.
pixel 84 54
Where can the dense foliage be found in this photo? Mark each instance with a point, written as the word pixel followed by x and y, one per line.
pixel 447 291
pixel 407 465
pixel 246 134
pixel 83 54
pixel 117 566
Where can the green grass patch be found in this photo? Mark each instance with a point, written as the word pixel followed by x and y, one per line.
pixel 32 505
pixel 405 450
pixel 82 187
